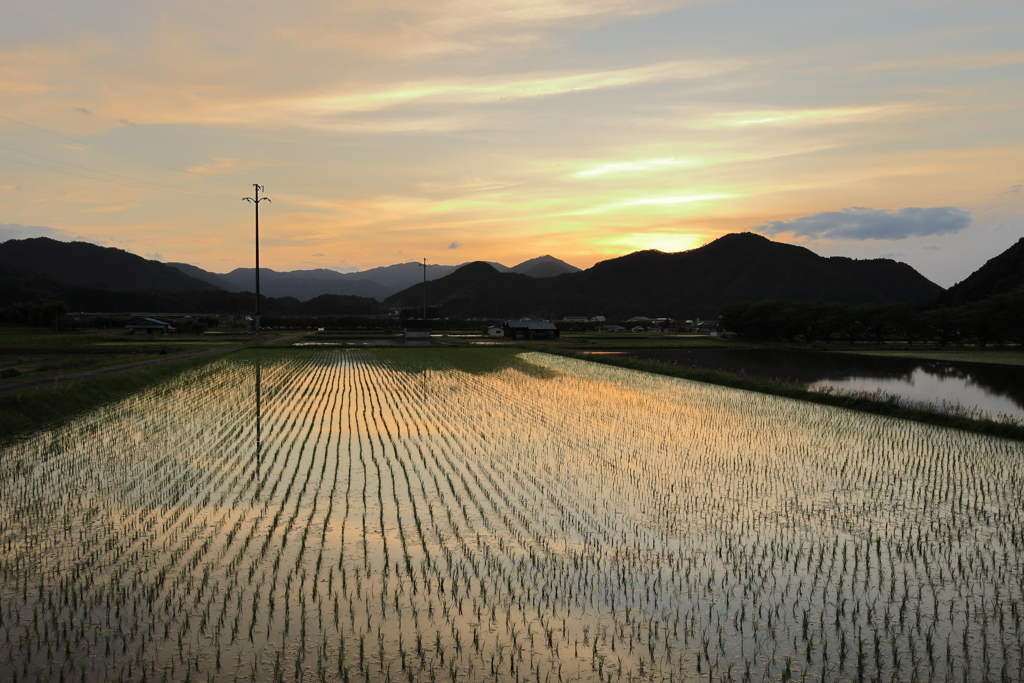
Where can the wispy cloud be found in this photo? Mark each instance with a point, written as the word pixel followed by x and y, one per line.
pixel 506 88
pixel 419 29
pixel 110 209
pixel 799 117
pixel 652 201
pixel 466 185
pixel 221 165
pixel 644 165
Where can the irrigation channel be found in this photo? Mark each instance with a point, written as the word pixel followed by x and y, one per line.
pixel 478 515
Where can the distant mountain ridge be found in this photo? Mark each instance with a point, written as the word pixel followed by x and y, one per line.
pixel 18 285
pixel 302 284
pixel 378 283
pixel 91 266
pixel 204 275
pixel 544 266
pixel 1000 275
pixel 736 267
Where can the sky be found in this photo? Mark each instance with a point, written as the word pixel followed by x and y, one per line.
pixel 458 130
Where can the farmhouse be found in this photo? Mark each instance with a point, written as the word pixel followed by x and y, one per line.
pixel 530 329
pixel 150 326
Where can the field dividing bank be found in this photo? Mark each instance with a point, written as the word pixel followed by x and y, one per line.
pixel 443 514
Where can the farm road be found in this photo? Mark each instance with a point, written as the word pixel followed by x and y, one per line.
pixel 71 377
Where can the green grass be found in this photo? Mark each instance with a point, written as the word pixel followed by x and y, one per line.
pixel 890 406
pixel 33 409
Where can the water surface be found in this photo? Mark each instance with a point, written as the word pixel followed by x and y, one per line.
pixel 996 390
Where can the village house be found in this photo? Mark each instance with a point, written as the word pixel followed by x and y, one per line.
pixel 150 326
pixel 530 329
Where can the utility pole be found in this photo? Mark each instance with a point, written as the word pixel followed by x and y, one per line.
pixel 256 203
pixel 424 289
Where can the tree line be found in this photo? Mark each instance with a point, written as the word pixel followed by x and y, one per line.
pixel 998 319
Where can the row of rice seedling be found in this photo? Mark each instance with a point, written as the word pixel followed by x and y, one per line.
pixel 427 514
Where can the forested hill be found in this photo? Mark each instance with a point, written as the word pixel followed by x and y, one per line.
pixel 999 275
pixel 736 267
pixel 20 286
pixel 89 265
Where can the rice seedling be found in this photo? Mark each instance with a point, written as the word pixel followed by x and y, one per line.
pixel 433 514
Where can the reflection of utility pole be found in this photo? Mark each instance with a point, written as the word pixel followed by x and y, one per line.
pixel 259 415
pixel 256 202
pixel 424 289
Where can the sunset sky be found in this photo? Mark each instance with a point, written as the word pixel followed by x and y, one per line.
pixel 506 129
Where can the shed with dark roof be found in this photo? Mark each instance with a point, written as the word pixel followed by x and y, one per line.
pixel 150 326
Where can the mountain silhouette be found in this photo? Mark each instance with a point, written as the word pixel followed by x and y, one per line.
pixel 695 283
pixel 89 265
pixel 1001 274
pixel 544 266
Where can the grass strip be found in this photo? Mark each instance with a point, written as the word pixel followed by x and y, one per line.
pixel 890 406
pixel 33 409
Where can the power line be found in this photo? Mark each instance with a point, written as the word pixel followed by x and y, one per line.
pixel 114 182
pixel 113 175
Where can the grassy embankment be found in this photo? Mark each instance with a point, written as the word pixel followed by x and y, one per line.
pixel 38 355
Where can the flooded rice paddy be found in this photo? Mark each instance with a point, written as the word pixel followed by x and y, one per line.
pixel 446 515
pixel 995 391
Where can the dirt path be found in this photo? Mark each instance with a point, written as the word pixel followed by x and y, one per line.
pixel 55 380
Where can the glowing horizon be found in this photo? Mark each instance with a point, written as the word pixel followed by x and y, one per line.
pixel 583 129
